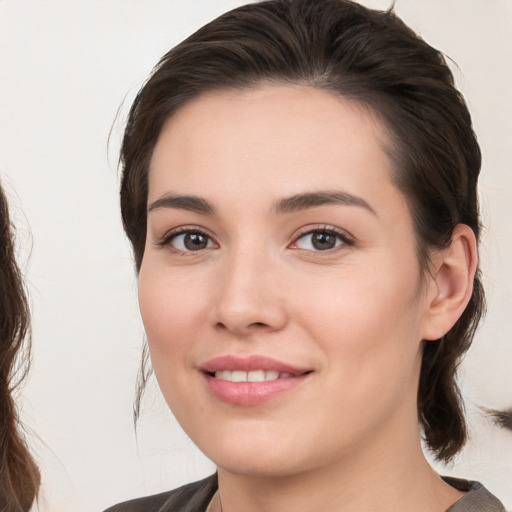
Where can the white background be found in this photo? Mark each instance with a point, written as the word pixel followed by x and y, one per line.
pixel 65 69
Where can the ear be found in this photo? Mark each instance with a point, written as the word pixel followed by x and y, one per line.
pixel 451 285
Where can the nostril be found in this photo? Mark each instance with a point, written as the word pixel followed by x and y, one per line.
pixel 247 328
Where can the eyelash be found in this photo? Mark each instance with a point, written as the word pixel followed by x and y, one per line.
pixel 166 240
pixel 346 240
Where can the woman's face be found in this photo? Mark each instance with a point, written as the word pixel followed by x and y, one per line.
pixel 280 288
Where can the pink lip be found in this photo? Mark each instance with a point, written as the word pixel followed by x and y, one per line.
pixel 250 363
pixel 251 393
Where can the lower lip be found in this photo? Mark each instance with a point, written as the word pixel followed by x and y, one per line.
pixel 251 393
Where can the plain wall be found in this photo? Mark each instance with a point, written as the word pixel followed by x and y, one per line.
pixel 66 68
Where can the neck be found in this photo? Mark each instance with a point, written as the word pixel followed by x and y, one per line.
pixel 396 478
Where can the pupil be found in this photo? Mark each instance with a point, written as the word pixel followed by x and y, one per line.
pixel 323 241
pixel 195 241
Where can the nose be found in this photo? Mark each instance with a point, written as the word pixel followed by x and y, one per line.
pixel 250 296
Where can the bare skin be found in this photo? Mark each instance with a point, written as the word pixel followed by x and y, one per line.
pixel 275 231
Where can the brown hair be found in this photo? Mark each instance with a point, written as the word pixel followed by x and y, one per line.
pixel 19 476
pixel 361 54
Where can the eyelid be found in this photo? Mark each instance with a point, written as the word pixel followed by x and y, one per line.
pixel 165 240
pixel 346 238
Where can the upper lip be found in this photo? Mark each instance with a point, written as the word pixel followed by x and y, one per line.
pixel 250 363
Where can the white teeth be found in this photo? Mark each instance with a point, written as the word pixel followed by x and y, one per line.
pixel 252 376
pixel 239 376
pixel 256 376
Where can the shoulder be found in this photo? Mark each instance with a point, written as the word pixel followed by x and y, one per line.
pixel 188 498
pixel 476 499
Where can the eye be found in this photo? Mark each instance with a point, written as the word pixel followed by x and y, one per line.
pixel 188 241
pixel 320 240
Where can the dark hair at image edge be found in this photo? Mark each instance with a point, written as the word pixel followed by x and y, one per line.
pixel 19 475
pixel 359 54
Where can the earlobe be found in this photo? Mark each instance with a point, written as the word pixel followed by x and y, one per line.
pixel 452 283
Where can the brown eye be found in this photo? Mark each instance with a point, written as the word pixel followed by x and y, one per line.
pixel 319 240
pixel 191 241
pixel 195 241
pixel 323 241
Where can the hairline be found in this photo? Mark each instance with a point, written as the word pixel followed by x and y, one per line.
pixel 366 102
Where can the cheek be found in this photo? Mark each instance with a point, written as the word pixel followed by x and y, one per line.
pixel 369 333
pixel 362 298
pixel 366 318
pixel 172 307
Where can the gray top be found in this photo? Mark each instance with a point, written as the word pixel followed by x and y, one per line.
pixel 476 499
pixel 196 497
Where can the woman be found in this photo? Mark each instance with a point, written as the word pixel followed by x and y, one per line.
pixel 19 476
pixel 299 187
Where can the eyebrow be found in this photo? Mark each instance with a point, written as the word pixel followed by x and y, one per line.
pixel 308 200
pixel 295 203
pixel 190 203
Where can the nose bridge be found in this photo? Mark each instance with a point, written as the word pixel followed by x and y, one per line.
pixel 248 297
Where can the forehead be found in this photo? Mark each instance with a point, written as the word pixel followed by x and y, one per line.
pixel 288 138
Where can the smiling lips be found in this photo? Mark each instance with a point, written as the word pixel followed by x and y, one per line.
pixel 250 381
pixel 252 376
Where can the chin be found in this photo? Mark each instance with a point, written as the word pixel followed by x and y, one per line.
pixel 262 468
pixel 257 458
